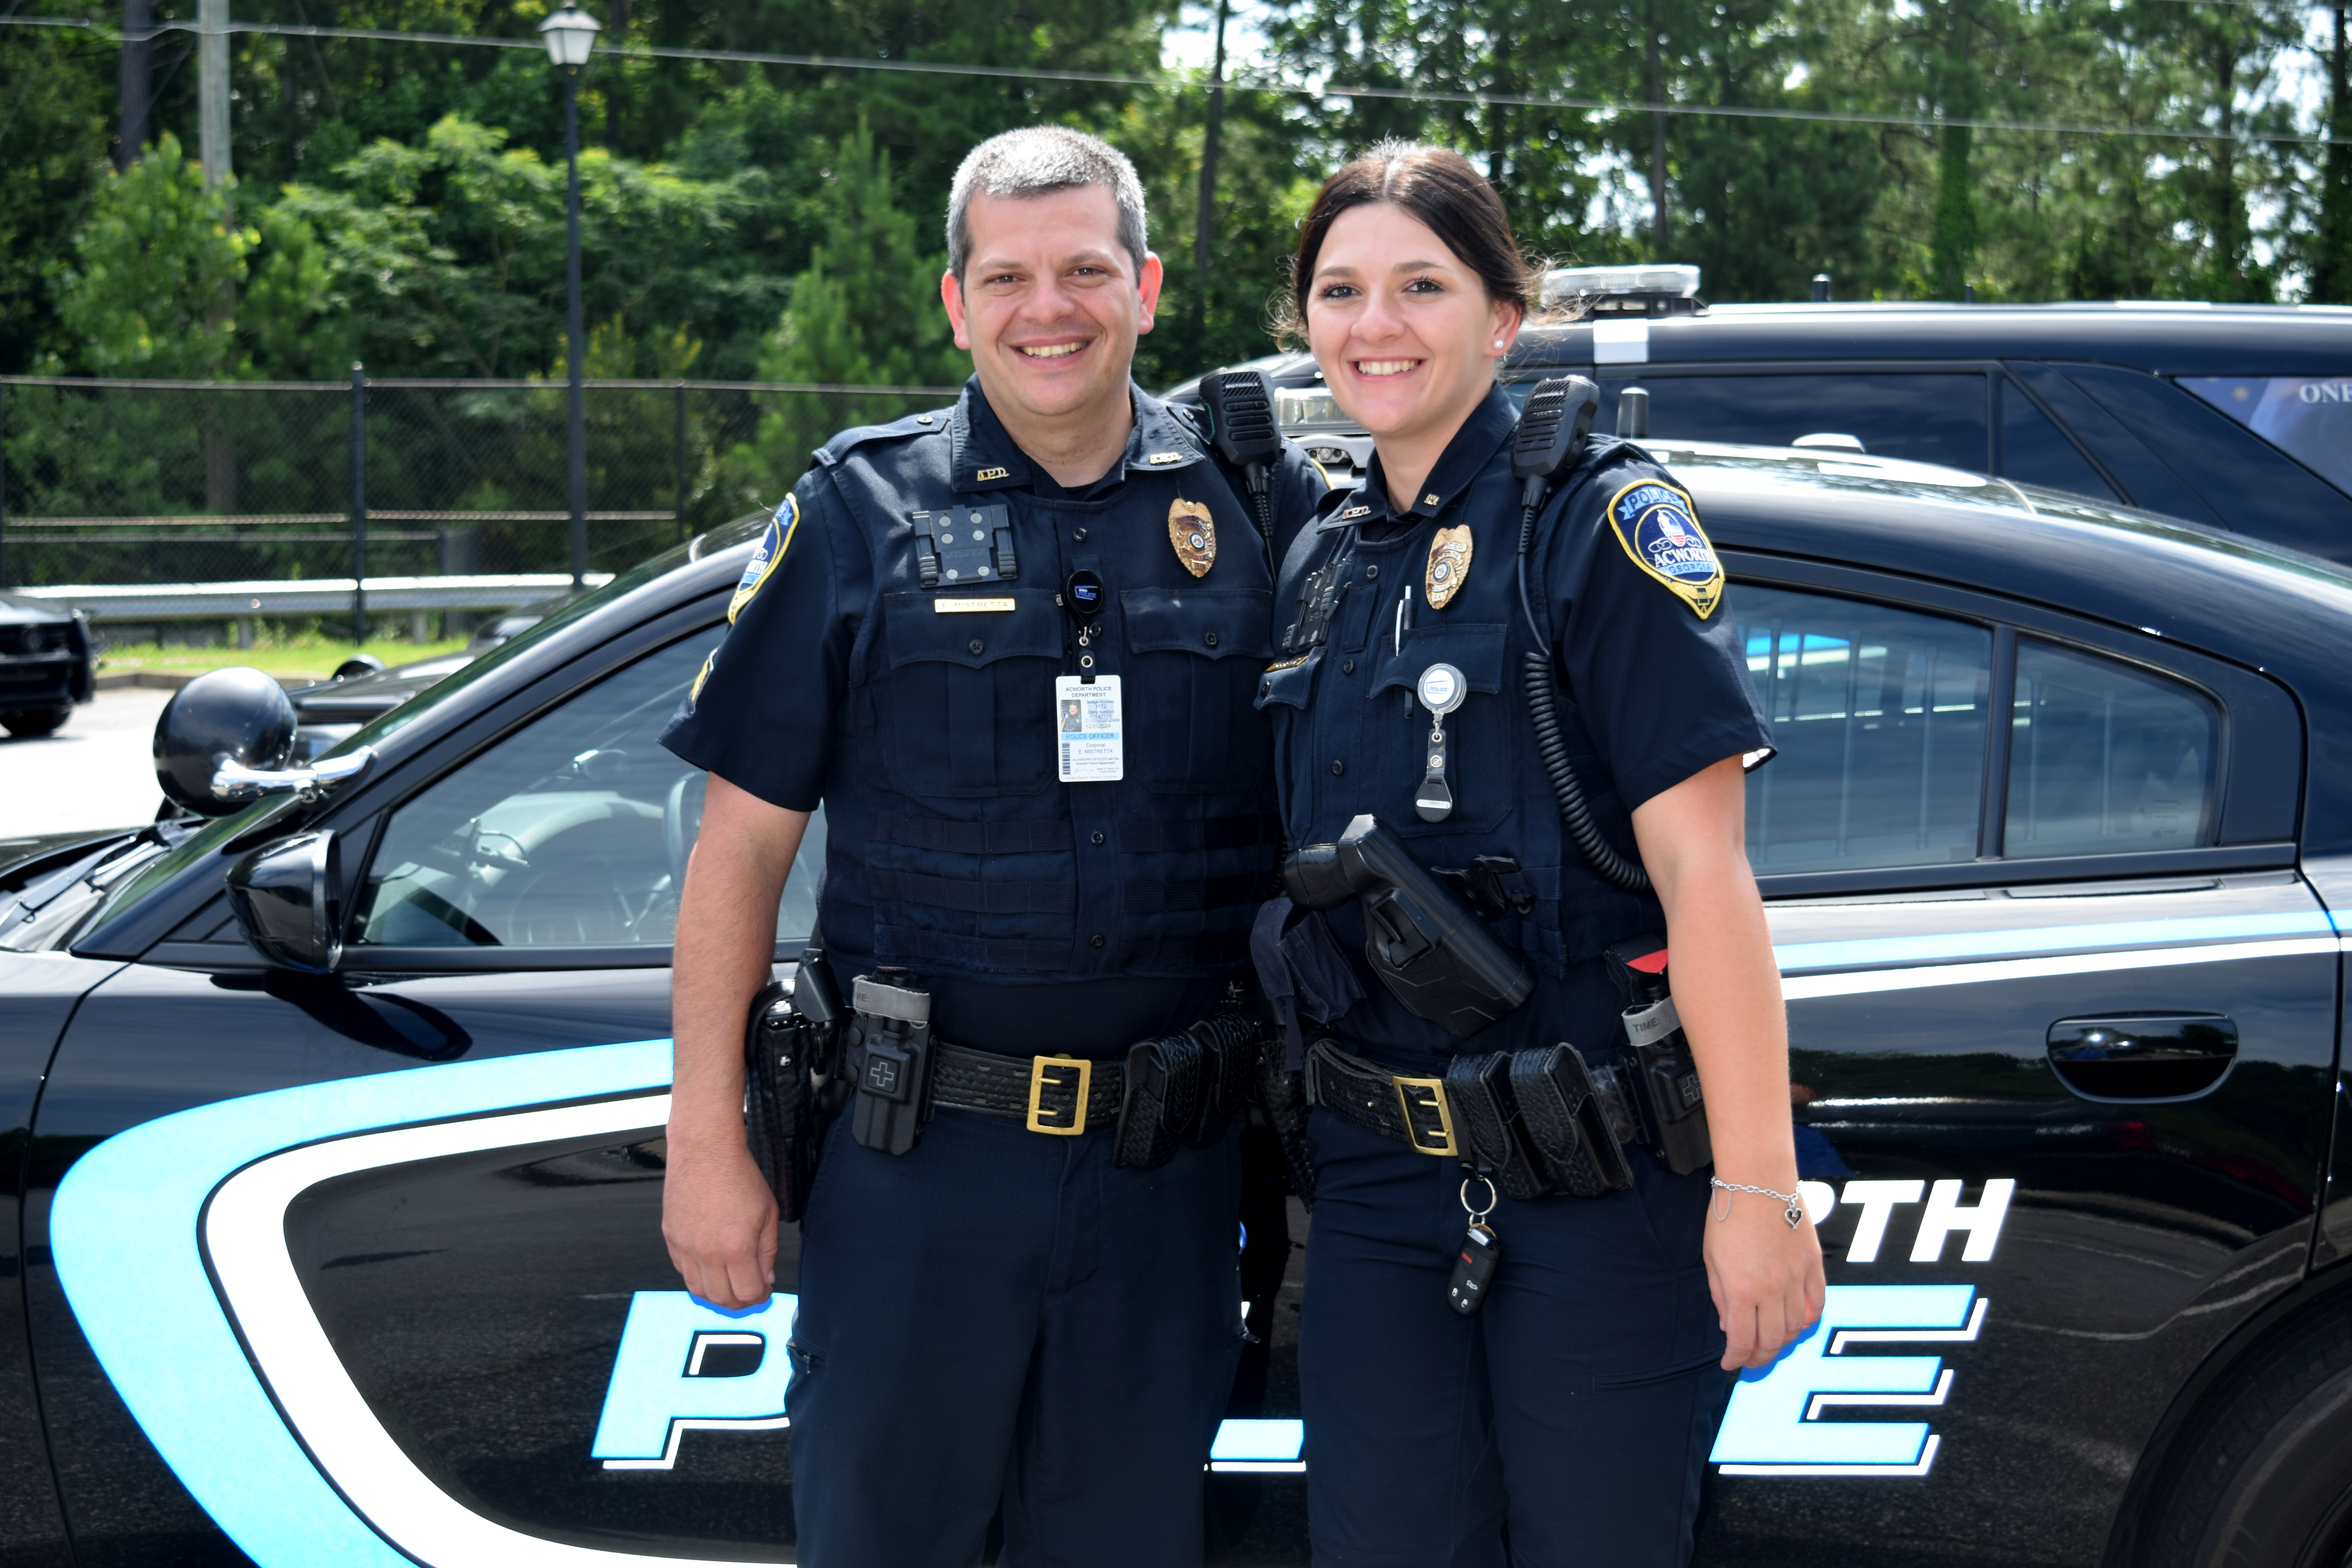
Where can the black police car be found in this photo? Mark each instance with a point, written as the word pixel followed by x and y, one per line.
pixel 327 711
pixel 2239 415
pixel 45 664
pixel 336 1224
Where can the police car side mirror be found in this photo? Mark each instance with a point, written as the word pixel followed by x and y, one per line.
pixel 234 718
pixel 283 897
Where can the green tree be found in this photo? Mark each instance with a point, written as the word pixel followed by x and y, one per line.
pixel 866 311
pixel 448 256
pixel 152 269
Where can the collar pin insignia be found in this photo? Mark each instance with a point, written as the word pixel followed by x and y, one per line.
pixel 987 474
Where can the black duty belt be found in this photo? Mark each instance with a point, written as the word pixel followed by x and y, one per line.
pixel 1412 1111
pixel 1060 1096
pixel 1532 1122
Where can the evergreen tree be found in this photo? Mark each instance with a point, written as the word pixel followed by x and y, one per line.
pixel 866 311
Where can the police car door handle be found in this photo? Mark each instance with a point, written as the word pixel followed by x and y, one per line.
pixel 2143 1056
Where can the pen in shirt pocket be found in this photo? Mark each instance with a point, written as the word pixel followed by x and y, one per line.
pixel 1403 620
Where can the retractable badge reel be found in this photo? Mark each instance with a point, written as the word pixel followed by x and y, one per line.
pixel 1090 728
pixel 1441 689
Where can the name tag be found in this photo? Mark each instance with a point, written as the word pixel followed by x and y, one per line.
pixel 1089 733
pixel 966 607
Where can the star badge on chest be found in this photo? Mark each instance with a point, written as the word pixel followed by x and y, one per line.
pixel 1194 535
pixel 1449 565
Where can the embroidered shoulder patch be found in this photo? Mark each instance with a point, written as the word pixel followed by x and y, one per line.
pixel 762 564
pixel 1658 527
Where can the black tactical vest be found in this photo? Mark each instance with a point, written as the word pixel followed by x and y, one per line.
pixel 948 825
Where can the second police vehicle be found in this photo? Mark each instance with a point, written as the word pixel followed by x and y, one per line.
pixel 334 1226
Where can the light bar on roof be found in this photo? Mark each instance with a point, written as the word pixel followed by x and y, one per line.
pixel 1674 279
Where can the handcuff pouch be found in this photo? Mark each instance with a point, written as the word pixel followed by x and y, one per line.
pixel 1479 1090
pixel 1568 1122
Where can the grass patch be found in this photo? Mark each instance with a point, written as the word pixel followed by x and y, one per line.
pixel 299 654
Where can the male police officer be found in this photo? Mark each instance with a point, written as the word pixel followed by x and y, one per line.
pixel 1013 648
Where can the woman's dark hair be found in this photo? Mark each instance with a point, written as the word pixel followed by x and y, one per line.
pixel 1435 185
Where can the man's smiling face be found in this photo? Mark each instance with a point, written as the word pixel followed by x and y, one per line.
pixel 1050 303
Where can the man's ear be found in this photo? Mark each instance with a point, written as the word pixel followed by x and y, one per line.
pixel 952 296
pixel 1147 286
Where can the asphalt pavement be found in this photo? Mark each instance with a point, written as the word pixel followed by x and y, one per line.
pixel 93 773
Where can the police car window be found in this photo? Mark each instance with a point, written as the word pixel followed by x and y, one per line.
pixel 2033 451
pixel 2105 757
pixel 571 832
pixel 2310 416
pixel 1879 715
pixel 1929 419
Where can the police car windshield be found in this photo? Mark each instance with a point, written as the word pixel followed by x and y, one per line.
pixel 725 537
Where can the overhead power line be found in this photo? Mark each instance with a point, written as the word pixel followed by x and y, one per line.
pixel 1168 83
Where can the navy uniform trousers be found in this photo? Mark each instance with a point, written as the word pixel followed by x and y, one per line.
pixel 1001 1315
pixel 1586 1391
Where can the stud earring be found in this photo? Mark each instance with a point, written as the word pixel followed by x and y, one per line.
pixel 1498 342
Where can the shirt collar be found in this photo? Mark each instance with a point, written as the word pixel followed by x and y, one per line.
pixel 981 454
pixel 984 456
pixel 1466 456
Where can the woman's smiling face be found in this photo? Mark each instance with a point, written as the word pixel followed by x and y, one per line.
pixel 1406 334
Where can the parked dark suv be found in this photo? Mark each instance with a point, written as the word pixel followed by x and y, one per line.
pixel 44 666
pixel 2235 415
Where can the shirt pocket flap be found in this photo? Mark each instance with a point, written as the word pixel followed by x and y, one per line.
pixel 1286 684
pixel 930 628
pixel 1211 623
pixel 1475 650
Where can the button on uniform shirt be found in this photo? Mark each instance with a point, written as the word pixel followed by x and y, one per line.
pixel 1651 688
pixel 893 655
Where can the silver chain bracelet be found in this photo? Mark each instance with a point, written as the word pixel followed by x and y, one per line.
pixel 1794 1211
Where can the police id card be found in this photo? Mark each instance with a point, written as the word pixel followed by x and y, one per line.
pixel 1088 731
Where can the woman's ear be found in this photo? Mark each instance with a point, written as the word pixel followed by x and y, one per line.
pixel 1508 318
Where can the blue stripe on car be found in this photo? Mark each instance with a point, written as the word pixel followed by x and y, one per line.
pixel 124 1232
pixel 1951 947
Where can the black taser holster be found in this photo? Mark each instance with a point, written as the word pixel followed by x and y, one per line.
pixel 1668 1098
pixel 1430 949
pixel 891 1054
pixel 789 1065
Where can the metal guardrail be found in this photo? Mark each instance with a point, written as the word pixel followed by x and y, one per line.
pixel 317 595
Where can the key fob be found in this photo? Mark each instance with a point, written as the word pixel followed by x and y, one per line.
pixel 1473 1270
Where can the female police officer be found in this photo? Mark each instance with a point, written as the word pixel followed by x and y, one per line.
pixel 1533 1381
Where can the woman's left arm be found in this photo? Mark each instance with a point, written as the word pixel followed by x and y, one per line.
pixel 1766 1276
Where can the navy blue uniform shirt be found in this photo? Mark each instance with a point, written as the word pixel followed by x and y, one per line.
pixel 1047 917
pixel 1652 690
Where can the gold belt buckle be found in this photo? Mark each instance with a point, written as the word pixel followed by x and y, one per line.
pixel 1425 1096
pixel 1039 1066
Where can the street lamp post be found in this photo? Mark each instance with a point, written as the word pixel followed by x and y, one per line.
pixel 570 34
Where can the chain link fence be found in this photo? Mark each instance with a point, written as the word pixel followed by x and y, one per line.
pixel 134 482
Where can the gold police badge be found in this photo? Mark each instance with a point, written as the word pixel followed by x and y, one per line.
pixel 1194 535
pixel 1449 565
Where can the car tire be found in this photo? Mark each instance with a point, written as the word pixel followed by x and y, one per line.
pixel 2266 1478
pixel 27 723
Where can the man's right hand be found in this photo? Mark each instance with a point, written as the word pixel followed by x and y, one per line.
pixel 719 1220
pixel 718 1214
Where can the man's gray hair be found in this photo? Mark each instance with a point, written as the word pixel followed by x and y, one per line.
pixel 1036 161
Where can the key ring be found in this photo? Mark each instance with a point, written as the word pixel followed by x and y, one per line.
pixel 1478 1216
